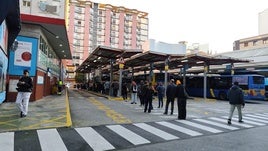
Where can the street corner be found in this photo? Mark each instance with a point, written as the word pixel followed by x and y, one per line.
pixel 49 112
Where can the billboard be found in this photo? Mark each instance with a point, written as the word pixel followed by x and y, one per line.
pixel 3 36
pixel 3 73
pixel 25 57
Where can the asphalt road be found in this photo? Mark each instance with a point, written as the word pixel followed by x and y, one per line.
pixel 88 110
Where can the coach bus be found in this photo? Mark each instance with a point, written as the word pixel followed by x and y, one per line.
pixel 266 88
pixel 253 86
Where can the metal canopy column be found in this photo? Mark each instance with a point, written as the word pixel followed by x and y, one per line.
pixel 185 67
pixel 121 66
pixel 232 68
pixel 151 72
pixel 205 79
pixel 111 77
pixel 166 70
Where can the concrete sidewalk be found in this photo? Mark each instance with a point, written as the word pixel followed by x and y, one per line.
pixel 49 112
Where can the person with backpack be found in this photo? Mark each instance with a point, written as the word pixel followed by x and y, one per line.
pixel 236 100
pixel 160 93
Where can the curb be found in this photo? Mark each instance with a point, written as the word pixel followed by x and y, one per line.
pixel 68 112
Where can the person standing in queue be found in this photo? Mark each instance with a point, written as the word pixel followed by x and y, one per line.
pixel 115 87
pixel 124 91
pixel 148 96
pixel 236 100
pixel 141 92
pixel 24 88
pixel 160 93
pixel 181 100
pixel 170 94
pixel 134 90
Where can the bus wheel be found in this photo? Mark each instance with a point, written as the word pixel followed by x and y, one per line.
pixel 222 96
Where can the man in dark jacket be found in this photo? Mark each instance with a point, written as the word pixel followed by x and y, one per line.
pixel 148 97
pixel 236 99
pixel 160 93
pixel 25 86
pixel 182 96
pixel 170 94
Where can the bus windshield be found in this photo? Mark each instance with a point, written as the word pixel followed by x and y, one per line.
pixel 258 80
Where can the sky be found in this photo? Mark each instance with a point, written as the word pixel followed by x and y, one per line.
pixel 215 22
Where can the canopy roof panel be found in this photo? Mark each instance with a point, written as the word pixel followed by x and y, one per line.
pixel 102 56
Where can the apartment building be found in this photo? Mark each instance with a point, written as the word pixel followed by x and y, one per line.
pixel 92 24
pixel 254 42
pixel 263 22
pixel 258 41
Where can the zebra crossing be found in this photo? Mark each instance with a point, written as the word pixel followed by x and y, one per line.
pixel 120 136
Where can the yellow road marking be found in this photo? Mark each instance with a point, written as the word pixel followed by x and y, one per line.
pixel 117 117
pixel 68 114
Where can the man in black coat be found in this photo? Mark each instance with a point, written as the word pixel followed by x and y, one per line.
pixel 170 94
pixel 236 99
pixel 25 86
pixel 181 100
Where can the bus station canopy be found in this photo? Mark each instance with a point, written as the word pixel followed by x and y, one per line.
pixel 102 57
pixel 143 60
pixel 201 60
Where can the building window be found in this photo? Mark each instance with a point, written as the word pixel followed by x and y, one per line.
pixel 26 3
pixel 265 41
pixel 245 44
pixel 100 12
pixel 255 43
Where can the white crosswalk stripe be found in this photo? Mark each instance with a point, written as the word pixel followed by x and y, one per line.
pixel 258 117
pixel 7 141
pixel 156 131
pixel 247 121
pixel 128 135
pixel 94 139
pixel 50 140
pixel 110 137
pixel 233 123
pixel 180 129
pixel 254 119
pixel 217 124
pixel 261 115
pixel 206 128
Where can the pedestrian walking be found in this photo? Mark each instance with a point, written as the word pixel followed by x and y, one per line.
pixel 124 91
pixel 236 100
pixel 24 88
pixel 160 93
pixel 148 97
pixel 170 94
pixel 134 91
pixel 182 96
